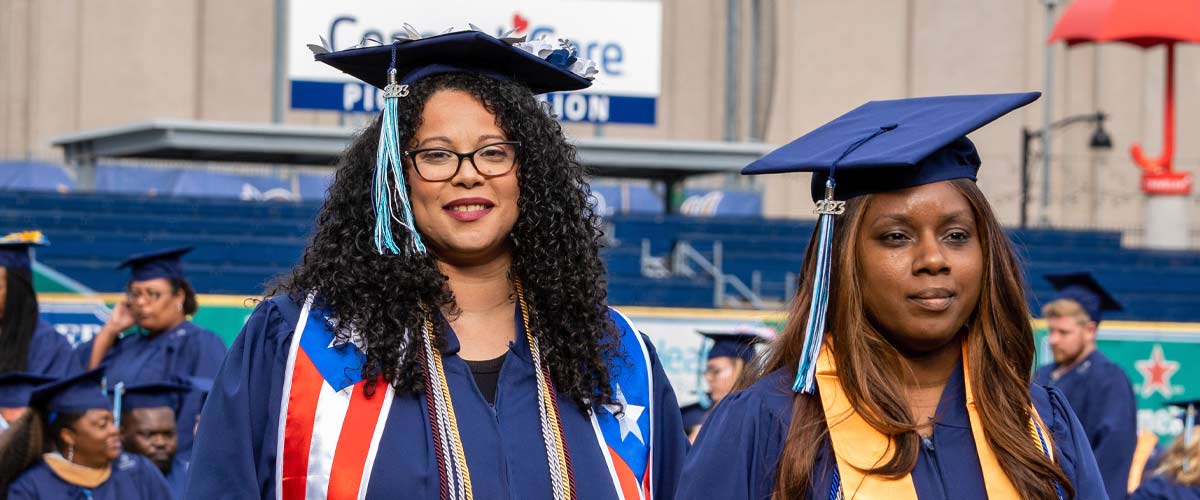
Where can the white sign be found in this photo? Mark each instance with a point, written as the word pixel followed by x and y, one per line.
pixel 624 37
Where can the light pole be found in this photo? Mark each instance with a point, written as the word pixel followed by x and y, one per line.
pixel 1099 141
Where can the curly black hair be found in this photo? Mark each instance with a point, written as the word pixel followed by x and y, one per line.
pixel 555 241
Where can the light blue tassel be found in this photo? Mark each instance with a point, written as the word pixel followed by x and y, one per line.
pixel 118 395
pixel 1189 425
pixel 814 330
pixel 385 193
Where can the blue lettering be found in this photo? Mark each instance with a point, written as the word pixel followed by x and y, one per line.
pixel 614 55
pixel 333 30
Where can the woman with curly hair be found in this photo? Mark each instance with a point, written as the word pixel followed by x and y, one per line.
pixel 921 387
pixel 446 334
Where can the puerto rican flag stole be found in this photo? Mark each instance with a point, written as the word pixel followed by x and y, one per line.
pixel 329 427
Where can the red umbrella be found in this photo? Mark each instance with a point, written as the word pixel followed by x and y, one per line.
pixel 1144 23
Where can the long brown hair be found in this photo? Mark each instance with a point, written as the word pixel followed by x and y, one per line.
pixel 1000 349
pixel 1171 465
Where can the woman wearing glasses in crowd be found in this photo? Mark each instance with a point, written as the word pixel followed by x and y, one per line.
pixel 148 336
pixel 446 333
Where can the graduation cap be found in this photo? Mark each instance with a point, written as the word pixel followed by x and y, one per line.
pixel 17 387
pixel 157 264
pixel 693 415
pixel 75 394
pixel 539 65
pixel 458 52
pixel 1085 290
pixel 737 343
pixel 15 249
pixel 878 147
pixel 162 394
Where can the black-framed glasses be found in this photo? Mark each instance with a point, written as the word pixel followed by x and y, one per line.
pixel 440 164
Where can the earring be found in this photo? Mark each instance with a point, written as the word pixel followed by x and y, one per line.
pixel 71 453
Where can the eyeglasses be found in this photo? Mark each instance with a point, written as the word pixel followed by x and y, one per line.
pixel 151 295
pixel 440 164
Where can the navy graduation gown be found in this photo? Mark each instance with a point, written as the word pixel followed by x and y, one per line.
pixel 177 478
pixel 133 477
pixel 737 452
pixel 235 453
pixel 184 351
pixel 1102 397
pixel 1161 488
pixel 50 353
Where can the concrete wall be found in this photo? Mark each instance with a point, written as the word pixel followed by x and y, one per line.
pixel 71 65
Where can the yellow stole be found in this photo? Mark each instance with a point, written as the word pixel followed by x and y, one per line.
pixel 858 446
pixel 78 475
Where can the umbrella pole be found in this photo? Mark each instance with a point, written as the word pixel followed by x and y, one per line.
pixel 1162 164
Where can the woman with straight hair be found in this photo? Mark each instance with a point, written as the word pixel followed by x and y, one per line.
pixel 904 369
pixel 28 344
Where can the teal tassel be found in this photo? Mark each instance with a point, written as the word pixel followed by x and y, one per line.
pixel 814 330
pixel 118 395
pixel 385 194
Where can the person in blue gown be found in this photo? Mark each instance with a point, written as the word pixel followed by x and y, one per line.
pixel 148 336
pixel 1175 475
pixel 724 361
pixel 27 342
pixel 904 370
pixel 446 334
pixel 148 426
pixel 1097 388
pixel 85 460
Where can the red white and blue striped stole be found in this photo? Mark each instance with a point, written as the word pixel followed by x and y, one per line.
pixel 625 435
pixel 329 427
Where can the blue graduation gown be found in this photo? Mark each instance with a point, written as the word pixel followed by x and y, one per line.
pixel 1161 488
pixel 133 477
pixel 50 353
pixel 1102 397
pixel 184 351
pixel 177 478
pixel 737 452
pixel 236 446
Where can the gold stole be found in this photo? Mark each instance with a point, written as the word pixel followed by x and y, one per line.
pixel 78 475
pixel 858 446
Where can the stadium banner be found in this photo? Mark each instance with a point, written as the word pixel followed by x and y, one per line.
pixel 1159 358
pixel 624 37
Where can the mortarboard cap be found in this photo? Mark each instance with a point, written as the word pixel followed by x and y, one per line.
pixel 458 52
pixel 168 394
pixel 15 249
pixel 17 387
pixel 890 145
pixel 75 394
pixel 158 264
pixel 693 415
pixel 1084 289
pixel 737 343
pixel 1189 407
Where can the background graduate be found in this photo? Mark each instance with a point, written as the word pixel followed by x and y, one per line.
pixel 148 427
pixel 67 447
pixel 904 369
pixel 164 345
pixel 27 343
pixel 15 389
pixel 447 333
pixel 724 361
pixel 1176 475
pixel 1098 390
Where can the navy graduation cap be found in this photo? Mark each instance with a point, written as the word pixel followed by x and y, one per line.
pixel 1084 289
pixel 167 394
pixel 738 343
pixel 878 147
pixel 157 264
pixel 15 249
pixel 17 387
pixel 542 65
pixel 75 394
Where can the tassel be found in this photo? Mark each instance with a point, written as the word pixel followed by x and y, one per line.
pixel 387 161
pixel 1189 424
pixel 814 330
pixel 118 395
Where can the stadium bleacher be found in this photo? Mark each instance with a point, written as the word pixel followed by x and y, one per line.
pixel 240 245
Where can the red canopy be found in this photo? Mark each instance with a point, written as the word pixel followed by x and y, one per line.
pixel 1140 22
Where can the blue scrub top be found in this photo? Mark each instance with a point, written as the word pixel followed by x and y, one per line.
pixel 737 452
pixel 184 351
pixel 236 446
pixel 133 477
pixel 1102 397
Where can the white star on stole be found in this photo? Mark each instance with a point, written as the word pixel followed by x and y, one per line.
pixel 629 418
